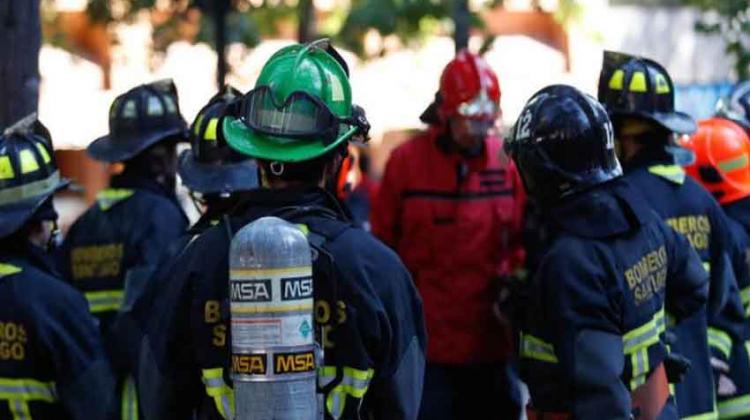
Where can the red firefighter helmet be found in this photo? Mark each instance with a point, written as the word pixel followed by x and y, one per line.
pixel 722 159
pixel 469 87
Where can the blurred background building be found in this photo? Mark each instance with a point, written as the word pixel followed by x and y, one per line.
pixel 93 50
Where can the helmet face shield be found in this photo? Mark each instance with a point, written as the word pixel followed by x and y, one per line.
pixel 300 115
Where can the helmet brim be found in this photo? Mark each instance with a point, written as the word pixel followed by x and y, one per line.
pixel 15 215
pixel 107 149
pixel 246 141
pixel 216 178
pixel 676 122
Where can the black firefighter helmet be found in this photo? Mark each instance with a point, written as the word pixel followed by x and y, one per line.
pixel 28 173
pixel 138 119
pixel 634 87
pixel 210 166
pixel 562 144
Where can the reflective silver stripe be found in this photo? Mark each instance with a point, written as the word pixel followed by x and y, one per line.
pixel 335 403
pixel 30 190
pixel 535 348
pixel 26 390
pixel 216 388
pixel 645 335
pixel 736 407
pixel 20 410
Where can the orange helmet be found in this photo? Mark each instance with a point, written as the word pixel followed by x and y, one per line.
pixel 722 159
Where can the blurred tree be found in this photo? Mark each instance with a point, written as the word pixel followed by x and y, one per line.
pixel 20 37
pixel 731 20
pixel 248 20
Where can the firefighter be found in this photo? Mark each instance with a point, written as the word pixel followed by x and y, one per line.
pixel 722 150
pixel 215 174
pixel 594 322
pixel 639 96
pixel 296 123
pixel 116 244
pixel 452 208
pixel 211 170
pixel 52 362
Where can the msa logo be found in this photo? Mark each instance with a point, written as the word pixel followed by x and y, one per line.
pixel 284 363
pixel 251 291
pixel 249 364
pixel 296 288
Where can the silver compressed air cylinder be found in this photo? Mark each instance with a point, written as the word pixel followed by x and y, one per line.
pixel 271 308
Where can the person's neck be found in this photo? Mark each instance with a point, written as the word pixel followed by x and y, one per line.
pixel 629 150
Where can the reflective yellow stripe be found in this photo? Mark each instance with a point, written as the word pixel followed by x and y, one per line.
pixel 638 82
pixel 129 403
pixel 290 307
pixel 216 388
pixel 616 82
pixel 8 269
pixel 720 340
pixel 197 125
pixel 636 343
pixel 672 173
pixel 745 297
pixel 27 390
pixel 354 383
pixel 32 189
pixel 6 168
pixel 714 415
pixel 43 152
pixel 728 165
pixel 19 409
pixel 104 300
pixel 270 272
pixel 734 408
pixel 535 348
pixel 111 196
pixel 640 363
pixel 28 161
pixel 661 84
pixel 210 134
pixel 707 266
pixel 644 336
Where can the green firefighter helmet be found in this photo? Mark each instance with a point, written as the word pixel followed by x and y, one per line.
pixel 300 108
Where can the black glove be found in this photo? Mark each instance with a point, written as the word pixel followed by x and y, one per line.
pixel 676 366
pixel 510 293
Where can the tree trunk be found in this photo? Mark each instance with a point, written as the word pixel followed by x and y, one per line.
pixel 20 40
pixel 221 8
pixel 306 30
pixel 462 22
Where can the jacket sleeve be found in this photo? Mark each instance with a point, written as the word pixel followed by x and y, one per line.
pixel 583 323
pixel 85 383
pixel 391 320
pixel 725 313
pixel 687 280
pixel 385 217
pixel 517 255
pixel 168 378
pixel 167 223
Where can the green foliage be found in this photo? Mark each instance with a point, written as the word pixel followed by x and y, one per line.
pixel 731 20
pixel 406 19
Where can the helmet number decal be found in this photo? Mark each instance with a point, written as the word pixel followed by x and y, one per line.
pixel 609 133
pixel 523 131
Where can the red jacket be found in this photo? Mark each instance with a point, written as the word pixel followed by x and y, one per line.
pixel 456 223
